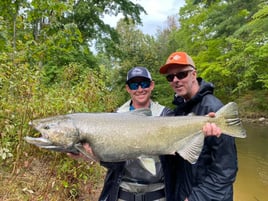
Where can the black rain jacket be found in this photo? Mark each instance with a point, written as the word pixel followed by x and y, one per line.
pixel 212 177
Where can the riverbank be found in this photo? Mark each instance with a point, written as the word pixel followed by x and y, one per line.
pixel 39 178
pixel 253 106
pixel 260 120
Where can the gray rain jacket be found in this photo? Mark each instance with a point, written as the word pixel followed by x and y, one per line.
pixel 115 171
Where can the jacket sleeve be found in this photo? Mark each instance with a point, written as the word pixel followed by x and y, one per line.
pixel 220 172
pixel 111 165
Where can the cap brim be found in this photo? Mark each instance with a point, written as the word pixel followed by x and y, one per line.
pixel 163 69
pixel 138 77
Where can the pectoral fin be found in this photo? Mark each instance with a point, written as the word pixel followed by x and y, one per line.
pixel 148 164
pixel 82 150
pixel 191 147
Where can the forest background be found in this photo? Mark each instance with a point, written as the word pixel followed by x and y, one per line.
pixel 48 67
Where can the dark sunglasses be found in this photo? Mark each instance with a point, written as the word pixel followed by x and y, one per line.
pixel 135 85
pixel 180 75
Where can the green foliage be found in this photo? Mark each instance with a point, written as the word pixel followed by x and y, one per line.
pixel 254 104
pixel 58 52
pixel 229 47
pixel 24 97
pixel 88 16
pixel 53 34
pixel 73 175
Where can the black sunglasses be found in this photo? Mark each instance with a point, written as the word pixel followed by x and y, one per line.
pixel 135 85
pixel 180 75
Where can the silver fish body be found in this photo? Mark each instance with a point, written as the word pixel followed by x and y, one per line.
pixel 116 137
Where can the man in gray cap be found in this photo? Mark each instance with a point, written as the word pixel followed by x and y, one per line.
pixel 139 85
pixel 140 178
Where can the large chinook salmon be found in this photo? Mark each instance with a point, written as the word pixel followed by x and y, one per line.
pixel 116 137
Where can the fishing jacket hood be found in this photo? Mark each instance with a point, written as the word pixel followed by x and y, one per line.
pixel 156 108
pixel 184 108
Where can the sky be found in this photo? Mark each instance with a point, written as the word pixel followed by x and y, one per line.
pixel 157 13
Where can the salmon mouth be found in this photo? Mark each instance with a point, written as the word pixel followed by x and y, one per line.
pixel 40 141
pixel 45 143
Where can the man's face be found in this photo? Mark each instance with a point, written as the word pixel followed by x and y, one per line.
pixel 140 90
pixel 182 79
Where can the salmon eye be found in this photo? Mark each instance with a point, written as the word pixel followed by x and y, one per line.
pixel 46 127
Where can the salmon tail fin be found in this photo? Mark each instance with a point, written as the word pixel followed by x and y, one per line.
pixel 229 121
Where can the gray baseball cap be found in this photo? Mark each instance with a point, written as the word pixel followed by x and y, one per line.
pixel 138 72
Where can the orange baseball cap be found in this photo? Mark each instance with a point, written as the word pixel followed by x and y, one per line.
pixel 177 58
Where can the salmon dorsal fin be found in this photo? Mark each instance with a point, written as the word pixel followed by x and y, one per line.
pixel 191 114
pixel 142 112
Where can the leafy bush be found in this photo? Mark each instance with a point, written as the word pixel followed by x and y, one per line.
pixel 23 98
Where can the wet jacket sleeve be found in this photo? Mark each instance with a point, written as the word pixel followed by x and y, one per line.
pixel 111 165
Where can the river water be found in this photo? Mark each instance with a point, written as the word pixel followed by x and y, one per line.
pixel 252 179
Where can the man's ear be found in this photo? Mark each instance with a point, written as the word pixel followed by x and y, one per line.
pixel 195 73
pixel 127 88
pixel 152 85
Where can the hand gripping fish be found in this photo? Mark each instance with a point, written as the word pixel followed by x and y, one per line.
pixel 116 137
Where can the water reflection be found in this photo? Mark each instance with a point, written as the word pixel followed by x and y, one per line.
pixel 252 179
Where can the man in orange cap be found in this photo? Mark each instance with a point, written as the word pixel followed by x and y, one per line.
pixel 212 177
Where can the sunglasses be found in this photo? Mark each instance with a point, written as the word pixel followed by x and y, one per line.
pixel 135 85
pixel 180 75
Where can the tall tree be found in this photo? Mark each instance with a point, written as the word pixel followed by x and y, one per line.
pixel 138 49
pixel 52 34
pixel 222 37
pixel 88 15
